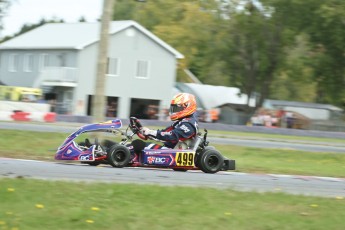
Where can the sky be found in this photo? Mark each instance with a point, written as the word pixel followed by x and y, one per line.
pixel 32 11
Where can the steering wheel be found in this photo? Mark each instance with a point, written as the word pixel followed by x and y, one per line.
pixel 135 126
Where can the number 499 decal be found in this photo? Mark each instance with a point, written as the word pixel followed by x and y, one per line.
pixel 185 159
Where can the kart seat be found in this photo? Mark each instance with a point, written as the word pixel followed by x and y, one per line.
pixel 87 142
pixel 192 143
pixel 138 145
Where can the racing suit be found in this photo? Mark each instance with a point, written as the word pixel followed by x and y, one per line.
pixel 180 130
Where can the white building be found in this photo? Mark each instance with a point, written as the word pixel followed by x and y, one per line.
pixel 61 58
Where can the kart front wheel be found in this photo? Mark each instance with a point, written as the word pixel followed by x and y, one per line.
pixel 211 161
pixel 118 156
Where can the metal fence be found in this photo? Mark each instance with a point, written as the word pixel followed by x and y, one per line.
pixel 329 126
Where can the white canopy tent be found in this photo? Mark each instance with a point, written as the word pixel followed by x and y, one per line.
pixel 215 96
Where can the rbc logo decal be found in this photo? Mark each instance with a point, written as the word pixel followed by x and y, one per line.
pixel 161 160
pixel 157 160
pixel 87 157
pixel 150 160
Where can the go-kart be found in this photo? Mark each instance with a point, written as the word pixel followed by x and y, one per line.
pixel 194 154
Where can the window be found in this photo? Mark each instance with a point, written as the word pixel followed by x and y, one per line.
pixel 62 59
pixel 28 62
pixel 142 69
pixel 44 61
pixel 13 62
pixel 113 67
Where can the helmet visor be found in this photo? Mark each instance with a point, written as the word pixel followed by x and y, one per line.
pixel 176 108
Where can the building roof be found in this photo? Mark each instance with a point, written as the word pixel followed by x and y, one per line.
pixel 279 103
pixel 74 36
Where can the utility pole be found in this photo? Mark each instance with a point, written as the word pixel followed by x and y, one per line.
pixel 98 101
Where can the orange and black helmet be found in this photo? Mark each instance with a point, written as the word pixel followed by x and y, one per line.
pixel 182 105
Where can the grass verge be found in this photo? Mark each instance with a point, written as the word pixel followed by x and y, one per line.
pixel 35 204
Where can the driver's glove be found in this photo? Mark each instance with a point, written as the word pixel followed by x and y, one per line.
pixel 148 132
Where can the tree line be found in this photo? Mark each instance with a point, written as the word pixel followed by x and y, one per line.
pixel 277 49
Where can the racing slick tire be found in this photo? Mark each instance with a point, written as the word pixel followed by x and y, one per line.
pixel 210 160
pixel 118 156
pixel 199 153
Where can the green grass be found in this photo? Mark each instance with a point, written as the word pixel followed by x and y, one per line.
pixel 30 145
pixel 35 204
pixel 283 161
pixel 42 146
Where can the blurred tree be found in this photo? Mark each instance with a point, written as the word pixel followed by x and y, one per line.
pixel 295 79
pixel 323 22
pixel 125 10
pixel 4 5
pixel 285 49
pixel 327 32
pixel 191 37
pixel 256 42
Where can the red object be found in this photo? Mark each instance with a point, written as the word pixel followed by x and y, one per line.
pixel 20 116
pixel 49 117
pixel 25 116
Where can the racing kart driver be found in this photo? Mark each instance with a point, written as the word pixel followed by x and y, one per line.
pixel 185 126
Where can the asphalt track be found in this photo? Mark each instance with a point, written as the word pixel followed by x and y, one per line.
pixel 301 185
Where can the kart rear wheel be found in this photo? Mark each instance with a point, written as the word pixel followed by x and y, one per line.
pixel 210 161
pixel 118 156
